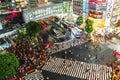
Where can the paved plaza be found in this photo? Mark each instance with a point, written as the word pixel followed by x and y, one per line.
pixel 77 69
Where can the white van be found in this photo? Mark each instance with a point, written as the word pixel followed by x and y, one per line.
pixel 76 32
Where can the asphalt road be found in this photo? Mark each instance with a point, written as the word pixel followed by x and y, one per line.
pixel 100 55
pixel 54 76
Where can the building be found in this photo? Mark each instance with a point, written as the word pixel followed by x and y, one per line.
pixel 36 13
pixel 97 12
pixel 77 7
pixel 33 1
pixel 112 12
pixel 37 2
pixel 115 13
pixel 57 1
pixel 104 13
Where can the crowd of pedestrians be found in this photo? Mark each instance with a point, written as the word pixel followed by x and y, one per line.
pixel 37 75
pixel 67 44
pixel 77 69
pixel 115 74
pixel 30 56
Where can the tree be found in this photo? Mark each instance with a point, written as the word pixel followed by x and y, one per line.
pixel 8 64
pixel 21 34
pixel 79 20
pixel 32 28
pixel 88 27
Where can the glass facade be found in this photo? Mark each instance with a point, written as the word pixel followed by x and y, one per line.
pixel 36 13
pixel 77 7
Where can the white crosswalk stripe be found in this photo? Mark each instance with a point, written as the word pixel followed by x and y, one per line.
pixel 78 69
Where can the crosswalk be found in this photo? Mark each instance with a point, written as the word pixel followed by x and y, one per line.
pixel 78 69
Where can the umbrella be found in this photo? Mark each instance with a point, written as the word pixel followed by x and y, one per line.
pixel 11 78
pixel 48 45
pixel 116 53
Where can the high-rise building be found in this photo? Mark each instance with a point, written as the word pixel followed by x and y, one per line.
pixel 77 7
pixel 114 9
pixel 57 1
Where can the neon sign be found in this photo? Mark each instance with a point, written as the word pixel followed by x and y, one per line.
pixel 109 8
pixel 109 12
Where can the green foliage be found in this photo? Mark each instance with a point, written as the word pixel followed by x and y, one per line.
pixel 79 20
pixel 66 7
pixel 8 64
pixel 88 27
pixel 89 22
pixel 21 34
pixel 32 28
pixel 34 40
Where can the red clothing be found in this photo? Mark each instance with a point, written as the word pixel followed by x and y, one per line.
pixel 43 26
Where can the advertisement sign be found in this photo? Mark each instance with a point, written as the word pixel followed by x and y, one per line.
pixel 97 23
pixel 109 10
pixel 91 4
pixel 101 8
pixel 92 7
pixel 84 6
pixel 100 0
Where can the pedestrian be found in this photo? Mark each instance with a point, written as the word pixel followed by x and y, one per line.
pixel 89 55
pixel 96 56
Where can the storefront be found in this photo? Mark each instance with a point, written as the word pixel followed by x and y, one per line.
pixel 45 11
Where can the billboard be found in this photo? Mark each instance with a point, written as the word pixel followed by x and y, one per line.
pixel 97 23
pixel 109 10
pixel 84 6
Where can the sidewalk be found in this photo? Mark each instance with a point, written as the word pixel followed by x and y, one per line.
pixel 65 45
